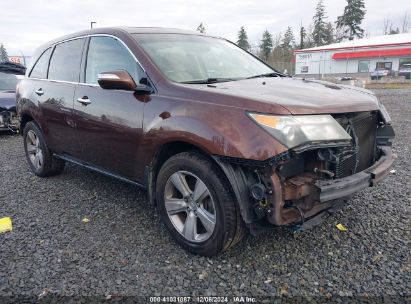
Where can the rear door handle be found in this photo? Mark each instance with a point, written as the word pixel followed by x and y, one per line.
pixel 84 100
pixel 39 92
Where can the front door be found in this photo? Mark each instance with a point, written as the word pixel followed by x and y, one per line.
pixel 109 122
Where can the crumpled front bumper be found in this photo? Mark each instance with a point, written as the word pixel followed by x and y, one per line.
pixel 8 120
pixel 344 187
pixel 323 196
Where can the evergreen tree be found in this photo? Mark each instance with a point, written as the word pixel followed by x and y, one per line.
pixel 201 28
pixel 308 41
pixel 394 31
pixel 320 28
pixel 266 45
pixel 288 40
pixel 329 33
pixel 242 41
pixel 303 34
pixel 3 54
pixel 351 20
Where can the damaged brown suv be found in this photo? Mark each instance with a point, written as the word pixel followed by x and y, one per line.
pixel 221 141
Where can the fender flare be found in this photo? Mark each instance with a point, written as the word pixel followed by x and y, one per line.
pixel 240 185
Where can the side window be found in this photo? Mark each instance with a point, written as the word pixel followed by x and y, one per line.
pixel 108 54
pixel 65 61
pixel 40 68
pixel 384 65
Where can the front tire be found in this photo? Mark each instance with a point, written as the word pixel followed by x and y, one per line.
pixel 41 161
pixel 196 204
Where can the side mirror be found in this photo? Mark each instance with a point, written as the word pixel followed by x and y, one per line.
pixel 116 80
pixel 120 80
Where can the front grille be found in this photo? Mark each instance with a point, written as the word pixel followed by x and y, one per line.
pixel 361 154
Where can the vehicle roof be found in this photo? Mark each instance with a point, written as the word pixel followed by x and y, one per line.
pixel 157 30
pixel 115 31
pixel 12 68
pixel 125 29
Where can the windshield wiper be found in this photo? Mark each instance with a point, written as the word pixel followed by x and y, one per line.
pixel 274 74
pixel 209 80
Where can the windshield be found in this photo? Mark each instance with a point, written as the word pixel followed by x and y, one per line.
pixel 191 58
pixel 8 82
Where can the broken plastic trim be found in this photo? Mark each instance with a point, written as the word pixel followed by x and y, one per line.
pixel 319 145
pixel 271 162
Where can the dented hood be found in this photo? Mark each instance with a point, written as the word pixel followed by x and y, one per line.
pixel 300 96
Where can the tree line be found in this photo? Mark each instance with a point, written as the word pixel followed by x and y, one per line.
pixel 278 49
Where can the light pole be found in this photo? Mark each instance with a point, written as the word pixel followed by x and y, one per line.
pixel 91 24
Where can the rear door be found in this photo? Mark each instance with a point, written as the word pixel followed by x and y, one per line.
pixel 55 96
pixel 109 124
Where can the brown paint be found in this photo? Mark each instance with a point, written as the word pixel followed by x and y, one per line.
pixel 122 131
pixel 117 80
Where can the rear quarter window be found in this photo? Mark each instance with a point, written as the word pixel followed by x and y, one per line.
pixel 40 68
pixel 65 61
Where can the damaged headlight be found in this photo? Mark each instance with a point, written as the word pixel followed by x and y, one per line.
pixel 297 130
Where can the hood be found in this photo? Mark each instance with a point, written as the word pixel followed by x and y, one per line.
pixel 299 96
pixel 7 100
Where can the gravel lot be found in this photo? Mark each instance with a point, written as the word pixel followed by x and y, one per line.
pixel 124 250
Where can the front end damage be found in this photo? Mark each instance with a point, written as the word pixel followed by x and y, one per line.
pixel 9 120
pixel 302 186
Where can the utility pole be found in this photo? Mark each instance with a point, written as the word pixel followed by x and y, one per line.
pixel 91 24
pixel 24 58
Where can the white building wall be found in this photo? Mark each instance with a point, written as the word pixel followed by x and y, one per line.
pixel 320 63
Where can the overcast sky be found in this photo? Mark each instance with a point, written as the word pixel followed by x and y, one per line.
pixel 26 24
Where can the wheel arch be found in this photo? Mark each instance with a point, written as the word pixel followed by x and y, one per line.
pixel 25 118
pixel 164 152
pixel 235 175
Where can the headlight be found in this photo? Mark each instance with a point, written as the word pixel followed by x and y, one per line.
pixel 293 131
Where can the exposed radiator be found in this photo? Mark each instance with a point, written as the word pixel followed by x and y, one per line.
pixel 362 127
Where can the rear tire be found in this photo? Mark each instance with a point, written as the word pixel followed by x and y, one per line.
pixel 41 160
pixel 196 204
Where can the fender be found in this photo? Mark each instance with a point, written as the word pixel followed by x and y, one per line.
pixel 215 129
pixel 239 183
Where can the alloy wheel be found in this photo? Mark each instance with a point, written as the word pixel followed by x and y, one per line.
pixel 190 206
pixel 34 150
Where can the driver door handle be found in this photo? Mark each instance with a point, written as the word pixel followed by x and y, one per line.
pixel 84 100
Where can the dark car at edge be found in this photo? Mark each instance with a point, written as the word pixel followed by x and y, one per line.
pixel 10 74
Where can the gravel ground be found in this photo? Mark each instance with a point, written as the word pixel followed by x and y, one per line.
pixel 124 250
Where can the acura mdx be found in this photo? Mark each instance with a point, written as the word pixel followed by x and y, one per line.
pixel 222 142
